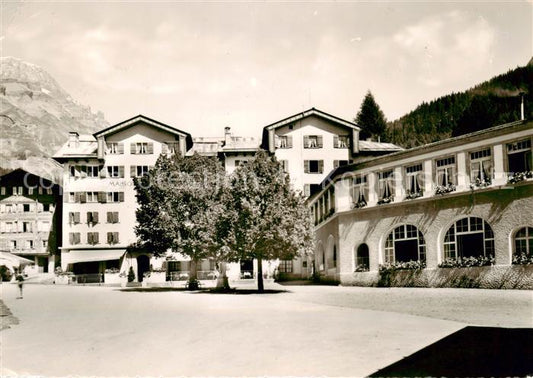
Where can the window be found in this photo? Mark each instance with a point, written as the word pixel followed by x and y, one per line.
pixel 44 226
pixel 341 141
pixel 172 147
pixel 523 243
pixel 139 170
pixel 44 243
pixel 71 197
pixel 313 166
pixel 115 148
pixel 74 238
pixel 481 167
pixel 360 191
pixel 340 163
pixel 445 172
pixel 3 191
pixel 10 227
pixel 469 237
pixel 10 208
pixel 283 141
pixel 362 258
pixel 115 171
pixel 48 191
pixel 385 187
pixel 284 165
pixel 285 266
pixel 115 196
pixel 92 197
pixel 13 244
pixel 141 148
pixel 46 207
pixel 405 243
pixel 93 238
pixel 519 156
pixel 92 171
pixel 92 217
pixel 312 141
pixel 112 217
pixel 112 238
pixel 40 190
pixel 27 227
pixel 29 244
pixel 30 191
pixel 414 181
pixel 73 218
pixel 26 207
pixel 20 190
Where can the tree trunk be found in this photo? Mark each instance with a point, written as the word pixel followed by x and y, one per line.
pixel 193 276
pixel 222 279
pixel 260 284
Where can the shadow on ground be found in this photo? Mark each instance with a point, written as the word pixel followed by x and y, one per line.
pixel 470 352
pixel 202 291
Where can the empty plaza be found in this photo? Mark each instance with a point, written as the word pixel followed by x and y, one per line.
pixel 299 331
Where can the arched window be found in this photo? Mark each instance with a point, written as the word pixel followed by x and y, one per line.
pixel 334 256
pixel 405 243
pixel 523 242
pixel 321 257
pixel 362 258
pixel 469 237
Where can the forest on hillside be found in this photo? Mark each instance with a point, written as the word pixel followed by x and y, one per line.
pixel 494 102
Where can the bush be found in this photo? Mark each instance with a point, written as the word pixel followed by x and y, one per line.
pixel 522 259
pixel 466 262
pixel 5 273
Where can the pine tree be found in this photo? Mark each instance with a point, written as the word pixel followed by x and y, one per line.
pixel 371 119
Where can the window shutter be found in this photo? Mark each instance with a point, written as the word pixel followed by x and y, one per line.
pixel 289 141
pixel 89 217
pixel 95 217
pixel 77 237
pixel 109 237
pixel 71 238
pixel 307 190
pixel 132 148
pixel 319 141
pixel 77 197
pixel 115 237
pixel 120 148
pixel 133 171
pixel 115 217
pixel 150 149
pixel 96 237
pixel 70 217
pixel 306 141
pixel 76 217
pixel 89 238
pixel 83 171
pixel 101 168
pixel 109 217
pixel 320 166
pixel 335 164
pixel 120 196
pixel 121 171
pixel 83 197
pixel 277 141
pixel 102 197
pixel 335 141
pixel 306 166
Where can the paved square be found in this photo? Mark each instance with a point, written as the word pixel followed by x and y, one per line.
pixel 73 330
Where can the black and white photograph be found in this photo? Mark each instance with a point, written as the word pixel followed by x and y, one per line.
pixel 266 188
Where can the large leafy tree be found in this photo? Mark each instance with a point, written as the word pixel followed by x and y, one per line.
pixel 370 118
pixel 273 221
pixel 182 207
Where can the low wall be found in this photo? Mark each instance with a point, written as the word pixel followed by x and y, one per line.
pixel 486 277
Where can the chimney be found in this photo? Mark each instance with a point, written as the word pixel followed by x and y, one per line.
pixel 522 106
pixel 227 135
pixel 73 139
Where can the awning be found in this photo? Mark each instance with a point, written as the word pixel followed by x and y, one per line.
pixel 13 261
pixel 87 255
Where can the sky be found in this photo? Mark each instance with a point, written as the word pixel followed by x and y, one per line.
pixel 202 66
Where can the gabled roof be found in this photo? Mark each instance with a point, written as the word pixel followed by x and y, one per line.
pixel 312 112
pixel 141 118
pixel 21 175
